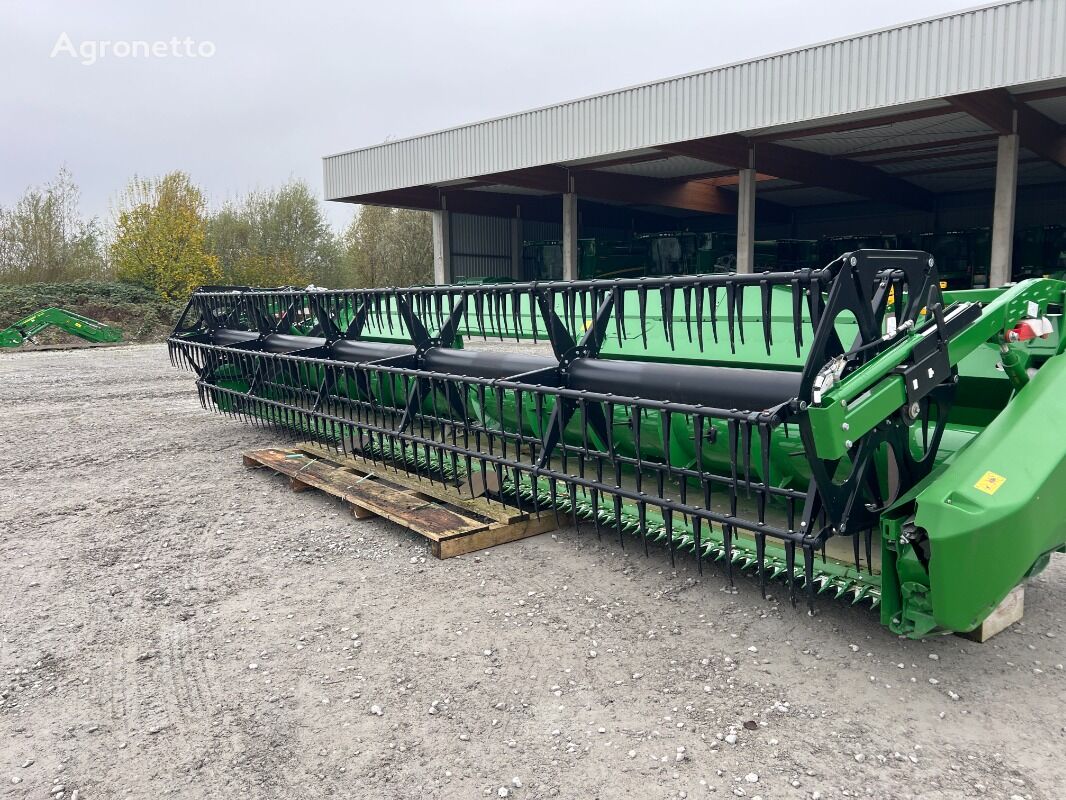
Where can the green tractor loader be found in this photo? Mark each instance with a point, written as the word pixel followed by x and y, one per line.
pixel 25 330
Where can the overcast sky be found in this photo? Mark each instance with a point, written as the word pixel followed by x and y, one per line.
pixel 286 83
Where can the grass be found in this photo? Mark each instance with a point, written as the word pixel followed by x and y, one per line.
pixel 141 314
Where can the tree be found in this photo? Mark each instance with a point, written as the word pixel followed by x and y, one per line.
pixel 275 237
pixel 388 247
pixel 161 234
pixel 44 239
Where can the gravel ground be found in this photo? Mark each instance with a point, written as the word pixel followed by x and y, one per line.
pixel 176 625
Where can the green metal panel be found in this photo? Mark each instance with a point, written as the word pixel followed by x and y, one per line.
pixel 984 541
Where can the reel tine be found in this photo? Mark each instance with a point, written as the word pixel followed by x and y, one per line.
pixel 642 515
pixel 516 315
pixel 666 305
pixel 479 313
pixel 814 303
pixel 808 576
pixel 561 419
pixel 699 316
pixel 497 313
pixel 595 497
pixel 499 416
pixel 609 428
pixel 713 289
pixel 746 448
pixel 697 532
pixel 584 310
pixel 667 441
pixel 760 560
pixel 668 521
pixel 635 419
pixel 764 466
pixel 731 302
pixel 584 415
pixel 767 297
pixel 739 295
pixel 733 455
pixel 790 568
pixel 642 302
pixel 683 498
pixel 686 295
pixel 727 546
pixel 700 440
pixel 797 316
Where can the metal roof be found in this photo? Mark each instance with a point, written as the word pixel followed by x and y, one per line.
pixel 909 67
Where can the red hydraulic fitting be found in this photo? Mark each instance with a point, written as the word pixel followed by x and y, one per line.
pixel 1030 329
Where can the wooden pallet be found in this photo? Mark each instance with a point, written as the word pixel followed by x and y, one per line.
pixel 1005 614
pixel 454 522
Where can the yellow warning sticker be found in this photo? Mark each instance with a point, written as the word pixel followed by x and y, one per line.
pixel 990 482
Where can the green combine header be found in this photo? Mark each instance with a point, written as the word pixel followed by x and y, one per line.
pixel 851 430
pixel 67 321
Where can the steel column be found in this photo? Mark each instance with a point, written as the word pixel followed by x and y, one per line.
pixel 442 247
pixel 570 231
pixel 1003 210
pixel 746 221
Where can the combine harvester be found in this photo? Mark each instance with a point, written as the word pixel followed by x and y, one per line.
pixel 849 430
pixel 88 329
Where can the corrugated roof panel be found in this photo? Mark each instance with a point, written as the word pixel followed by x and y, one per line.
pixel 1054 107
pixel 1006 44
pixel 915 131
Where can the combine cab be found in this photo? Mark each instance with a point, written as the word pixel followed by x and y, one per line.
pixel 850 430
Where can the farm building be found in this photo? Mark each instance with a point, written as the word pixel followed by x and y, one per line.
pixel 946 134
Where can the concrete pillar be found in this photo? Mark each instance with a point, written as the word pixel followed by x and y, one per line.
pixel 746 221
pixel 516 244
pixel 999 271
pixel 442 247
pixel 570 268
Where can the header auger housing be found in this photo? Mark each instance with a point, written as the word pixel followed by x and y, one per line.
pixel 819 426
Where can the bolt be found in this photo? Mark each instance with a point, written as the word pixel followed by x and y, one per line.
pixel 914 410
pixel 847 443
pixel 844 426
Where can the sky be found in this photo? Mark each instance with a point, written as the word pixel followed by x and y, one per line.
pixel 247 95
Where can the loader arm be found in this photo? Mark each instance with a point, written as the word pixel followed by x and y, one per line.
pixel 67 321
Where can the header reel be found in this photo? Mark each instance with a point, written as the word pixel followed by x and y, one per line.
pixel 741 417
